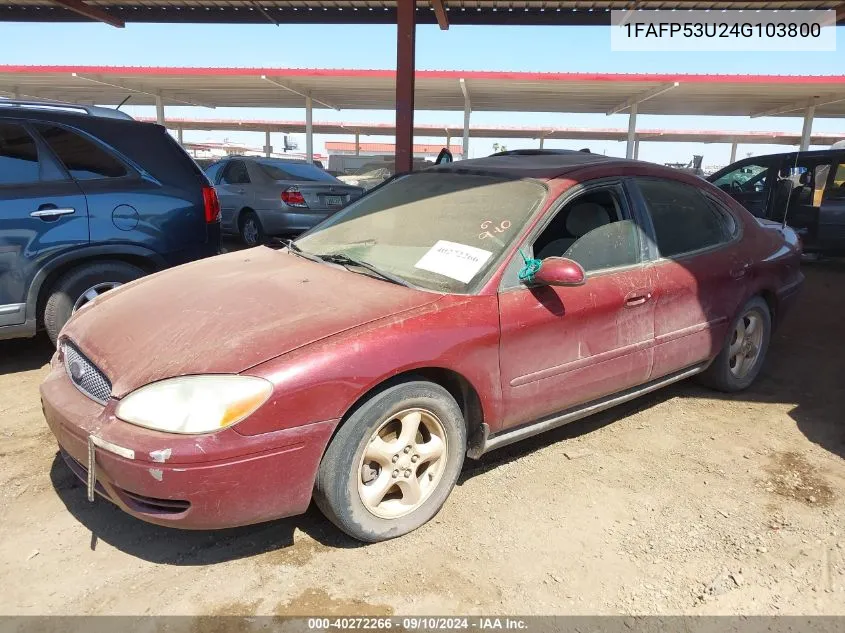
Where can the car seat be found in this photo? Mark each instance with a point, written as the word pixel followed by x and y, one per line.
pixel 583 218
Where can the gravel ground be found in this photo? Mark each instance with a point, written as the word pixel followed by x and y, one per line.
pixel 684 502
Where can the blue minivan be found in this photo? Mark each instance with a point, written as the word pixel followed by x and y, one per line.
pixel 90 199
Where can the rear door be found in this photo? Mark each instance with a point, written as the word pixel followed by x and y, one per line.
pixel 42 212
pixel 235 192
pixel 699 271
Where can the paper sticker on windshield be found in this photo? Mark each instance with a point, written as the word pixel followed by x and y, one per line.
pixel 457 261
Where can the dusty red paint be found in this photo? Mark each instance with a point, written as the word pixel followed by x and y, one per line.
pixel 325 337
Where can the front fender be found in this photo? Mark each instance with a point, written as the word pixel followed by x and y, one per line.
pixel 324 380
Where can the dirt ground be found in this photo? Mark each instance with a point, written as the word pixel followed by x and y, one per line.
pixel 686 501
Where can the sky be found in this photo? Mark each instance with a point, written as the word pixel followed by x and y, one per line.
pixel 504 48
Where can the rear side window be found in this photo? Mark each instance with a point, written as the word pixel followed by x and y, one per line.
pixel 83 159
pixel 235 173
pixel 18 156
pixel 684 221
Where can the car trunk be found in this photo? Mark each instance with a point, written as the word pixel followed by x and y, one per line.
pixel 327 196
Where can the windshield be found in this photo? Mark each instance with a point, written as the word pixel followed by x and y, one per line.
pixel 439 231
pixel 283 170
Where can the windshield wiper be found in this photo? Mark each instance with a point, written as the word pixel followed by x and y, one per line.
pixel 345 260
pixel 293 248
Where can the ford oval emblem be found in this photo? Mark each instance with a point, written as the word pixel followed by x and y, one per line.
pixel 77 370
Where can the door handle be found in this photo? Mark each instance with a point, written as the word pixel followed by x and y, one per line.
pixel 52 213
pixel 637 299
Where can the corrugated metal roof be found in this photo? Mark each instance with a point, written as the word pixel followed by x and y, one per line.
pixel 374 11
pixel 374 89
pixel 476 131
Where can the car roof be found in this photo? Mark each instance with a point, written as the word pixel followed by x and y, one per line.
pixel 816 153
pixel 540 166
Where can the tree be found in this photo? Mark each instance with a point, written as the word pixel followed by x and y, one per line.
pixel 499 148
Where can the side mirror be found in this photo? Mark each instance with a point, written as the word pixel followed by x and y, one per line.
pixel 560 271
pixel 444 157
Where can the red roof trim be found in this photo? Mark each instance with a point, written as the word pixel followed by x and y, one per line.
pixel 428 74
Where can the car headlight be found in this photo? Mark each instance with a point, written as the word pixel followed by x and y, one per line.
pixel 194 404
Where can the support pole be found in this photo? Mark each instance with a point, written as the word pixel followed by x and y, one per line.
pixel 636 149
pixel 542 138
pixel 357 143
pixel 448 141
pixel 467 113
pixel 268 149
pixel 309 130
pixel 807 131
pixel 159 110
pixel 405 64
pixel 632 132
pixel 733 153
pixel 179 135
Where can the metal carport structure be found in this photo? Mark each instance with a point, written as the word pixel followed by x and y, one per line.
pixel 406 14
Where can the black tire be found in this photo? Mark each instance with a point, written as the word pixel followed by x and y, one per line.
pixel 719 376
pixel 336 488
pixel 72 285
pixel 247 218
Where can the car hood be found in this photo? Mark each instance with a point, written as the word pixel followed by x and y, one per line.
pixel 227 314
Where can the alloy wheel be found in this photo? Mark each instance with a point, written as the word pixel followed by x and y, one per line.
pixel 402 464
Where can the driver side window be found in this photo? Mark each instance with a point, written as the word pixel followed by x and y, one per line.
pixel 747 178
pixel 592 230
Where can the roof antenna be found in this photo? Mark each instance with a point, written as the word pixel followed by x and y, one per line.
pixel 789 195
pixel 124 101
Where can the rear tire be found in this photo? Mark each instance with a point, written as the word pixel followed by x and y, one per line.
pixel 391 465
pixel 744 351
pixel 252 233
pixel 81 285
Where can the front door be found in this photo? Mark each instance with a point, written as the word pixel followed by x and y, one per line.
pixel 42 212
pixel 831 228
pixel 749 184
pixel 564 346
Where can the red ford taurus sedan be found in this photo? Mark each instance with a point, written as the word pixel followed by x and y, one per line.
pixel 446 313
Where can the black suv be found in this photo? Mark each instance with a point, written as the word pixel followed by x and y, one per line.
pixel 89 200
pixel 806 190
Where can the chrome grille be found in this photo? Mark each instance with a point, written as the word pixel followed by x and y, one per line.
pixel 85 375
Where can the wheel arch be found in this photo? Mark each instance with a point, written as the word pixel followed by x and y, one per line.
pixel 240 214
pixel 458 386
pixel 45 279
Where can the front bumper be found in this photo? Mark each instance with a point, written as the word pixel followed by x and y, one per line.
pixel 208 481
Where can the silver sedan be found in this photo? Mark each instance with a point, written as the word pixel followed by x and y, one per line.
pixel 263 197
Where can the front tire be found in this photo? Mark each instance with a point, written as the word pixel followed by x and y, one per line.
pixel 744 351
pixel 80 286
pixel 391 465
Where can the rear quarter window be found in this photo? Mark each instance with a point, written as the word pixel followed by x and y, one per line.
pixel 83 159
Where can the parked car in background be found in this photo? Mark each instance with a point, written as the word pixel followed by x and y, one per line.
pixel 449 312
pixel 806 190
pixel 263 197
pixel 89 200
pixel 373 174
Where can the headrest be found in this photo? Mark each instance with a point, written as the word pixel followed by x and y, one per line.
pixel 585 217
pixel 805 178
